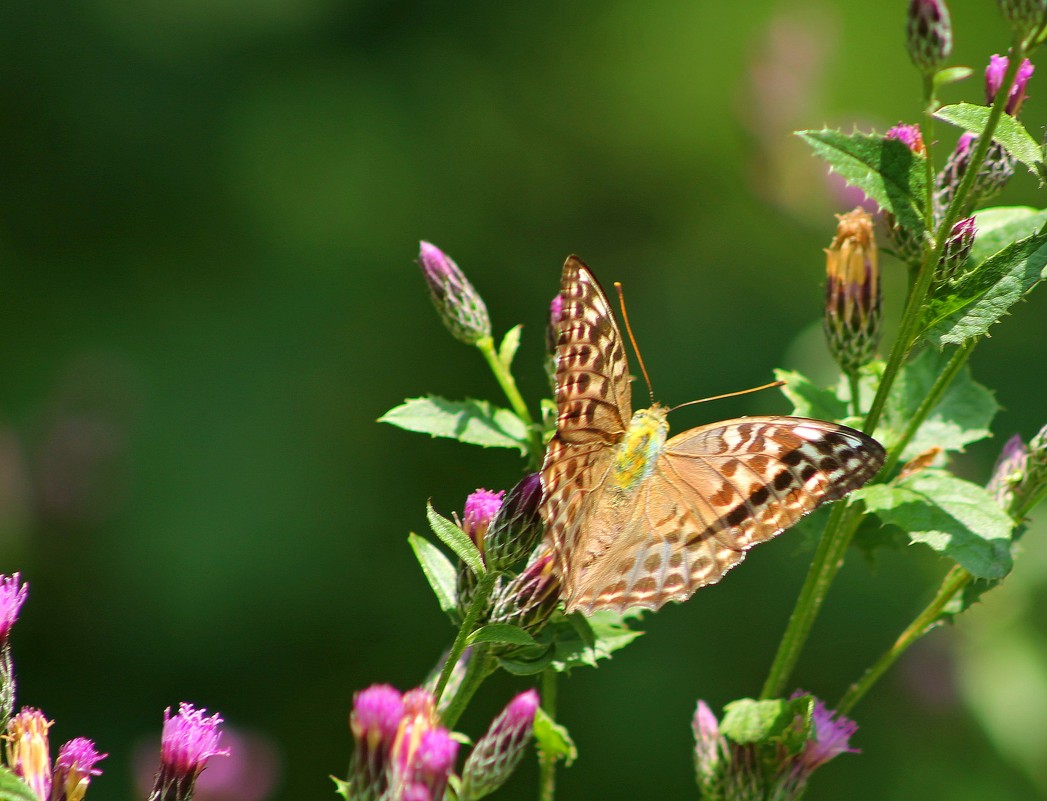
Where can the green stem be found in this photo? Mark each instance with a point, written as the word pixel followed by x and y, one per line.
pixel 856 398
pixel 479 667
pixel 927 134
pixel 547 762
pixel 508 384
pixel 483 590
pixel 954 582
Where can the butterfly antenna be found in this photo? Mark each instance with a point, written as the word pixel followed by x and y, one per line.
pixel 632 339
pixel 730 394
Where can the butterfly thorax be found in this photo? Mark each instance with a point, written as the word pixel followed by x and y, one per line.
pixel 637 453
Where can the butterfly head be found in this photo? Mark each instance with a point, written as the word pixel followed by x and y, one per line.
pixel 641 446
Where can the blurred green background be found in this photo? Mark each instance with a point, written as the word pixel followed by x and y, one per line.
pixel 208 217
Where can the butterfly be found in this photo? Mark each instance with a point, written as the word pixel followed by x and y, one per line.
pixel 637 520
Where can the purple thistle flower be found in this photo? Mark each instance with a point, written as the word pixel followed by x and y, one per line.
pixel 459 305
pixel 433 761
pixel 74 768
pixel 928 34
pixel 189 740
pixel 480 509
pixel 496 754
pixel 552 329
pixel 28 751
pixel 12 596
pixel 909 135
pixel 416 792
pixel 517 527
pixel 994 75
pixel 1008 472
pixel 374 722
pixel 832 734
pixel 709 749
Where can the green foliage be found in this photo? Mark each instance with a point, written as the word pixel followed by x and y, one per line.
pixel 810 400
pixel 885 169
pixel 954 517
pixel 457 540
pixel 438 570
pixel 1009 132
pixel 14 789
pixel 570 641
pixel 983 296
pixel 474 422
pixel 961 416
pixel 510 344
pixel 501 633
pixel 999 226
pixel 951 75
pixel 553 740
pixel 775 721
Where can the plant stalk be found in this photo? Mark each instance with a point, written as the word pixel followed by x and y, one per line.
pixel 483 591
pixel 508 384
pixel 547 762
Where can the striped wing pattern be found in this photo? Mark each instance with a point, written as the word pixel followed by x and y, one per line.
pixel 714 491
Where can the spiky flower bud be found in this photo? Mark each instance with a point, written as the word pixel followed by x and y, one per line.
pixel 459 305
pixel 529 598
pixel 994 75
pixel 517 527
pixel 852 291
pixel 74 768
pixel 28 751
pixel 955 252
pixel 1009 472
pixel 1024 16
pixel 500 750
pixel 995 172
pixel 907 244
pixel 928 34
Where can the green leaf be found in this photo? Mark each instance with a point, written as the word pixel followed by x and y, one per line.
pixel 984 295
pixel 954 517
pixel 749 721
pixel 885 169
pixel 341 787
pixel 962 416
pixel 554 741
pixel 501 633
pixel 510 343
pixel 455 539
pixel 438 570
pixel 14 789
pixel 809 400
pixel 1009 132
pixel 1002 225
pixel 471 421
pixel 951 75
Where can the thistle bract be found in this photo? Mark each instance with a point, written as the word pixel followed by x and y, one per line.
pixel 956 251
pixel 1024 16
pixel 517 527
pixel 496 754
pixel 928 34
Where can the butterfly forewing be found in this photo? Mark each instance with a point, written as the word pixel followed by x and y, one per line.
pixel 696 507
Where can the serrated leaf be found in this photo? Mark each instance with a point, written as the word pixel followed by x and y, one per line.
pixel 510 344
pixel 885 169
pixel 951 75
pixel 471 421
pixel 501 633
pixel 554 741
pixel 962 416
pixel 455 539
pixel 750 721
pixel 810 400
pixel 1009 132
pixel 586 640
pixel 1000 226
pixel 954 517
pixel 14 789
pixel 438 570
pixel 985 295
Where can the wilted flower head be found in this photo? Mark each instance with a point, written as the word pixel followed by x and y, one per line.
pixel 496 754
pixel 28 751
pixel 994 75
pixel 74 768
pixel 517 526
pixel 928 34
pixel 852 291
pixel 459 305
pixel 13 593
pixel 189 739
pixel 480 508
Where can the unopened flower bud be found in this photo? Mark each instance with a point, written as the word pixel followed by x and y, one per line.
pixel 529 599
pixel 956 251
pixel 994 75
pixel 1025 16
pixel 459 305
pixel 74 769
pixel 995 172
pixel 500 750
pixel 1009 472
pixel 517 526
pixel 28 751
pixel 852 291
pixel 709 750
pixel 928 34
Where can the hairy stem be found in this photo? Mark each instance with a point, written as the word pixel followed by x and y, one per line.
pixel 547 762
pixel 480 666
pixel 483 591
pixel 508 384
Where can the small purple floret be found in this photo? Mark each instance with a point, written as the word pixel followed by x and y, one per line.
pixel 994 75
pixel 909 135
pixel 80 755
pixel 521 710
pixel 12 596
pixel 480 509
pixel 832 734
pixel 189 739
pixel 377 711
pixel 417 792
